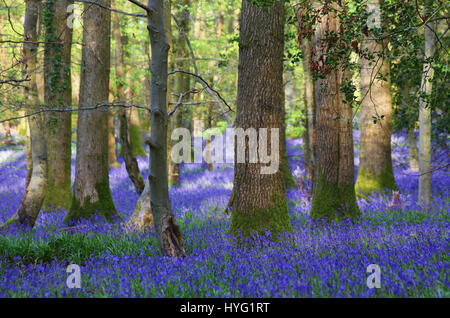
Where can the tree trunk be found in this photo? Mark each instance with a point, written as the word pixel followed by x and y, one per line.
pixel 334 192
pixel 167 230
pixel 142 215
pixel 425 195
pixel 28 155
pixel 375 171
pixel 31 204
pixel 112 156
pixel 91 189
pixel 259 202
pixel 412 149
pixel 134 129
pixel 131 163
pixel 309 137
pixel 310 109
pixel 58 94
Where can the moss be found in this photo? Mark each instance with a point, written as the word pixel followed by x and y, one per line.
pixel 114 164
pixel 137 149
pixel 369 181
pixel 103 206
pixel 57 196
pixel 334 202
pixel 256 220
pixel 8 223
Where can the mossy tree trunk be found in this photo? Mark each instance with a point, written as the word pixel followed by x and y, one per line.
pixel 259 200
pixel 33 199
pixel 425 195
pixel 375 171
pixel 58 94
pixel 131 163
pixel 91 189
pixel 334 192
pixel 167 230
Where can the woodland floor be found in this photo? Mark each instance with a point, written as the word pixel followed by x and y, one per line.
pixel 410 243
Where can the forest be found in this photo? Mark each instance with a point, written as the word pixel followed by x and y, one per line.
pixel 224 148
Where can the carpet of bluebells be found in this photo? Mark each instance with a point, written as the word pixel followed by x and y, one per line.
pixel 410 243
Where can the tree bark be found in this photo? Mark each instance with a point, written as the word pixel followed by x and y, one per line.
pixel 167 230
pixel 412 149
pixel 58 94
pixel 375 171
pixel 334 192
pixel 31 204
pixel 259 202
pixel 310 109
pixel 112 156
pixel 91 188
pixel 142 215
pixel 425 195
pixel 131 163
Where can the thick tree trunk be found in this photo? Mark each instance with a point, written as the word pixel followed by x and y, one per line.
pixel 58 94
pixel 334 192
pixel 31 204
pixel 375 171
pixel 259 202
pixel 425 195
pixel 131 163
pixel 91 189
pixel 167 230
pixel 412 149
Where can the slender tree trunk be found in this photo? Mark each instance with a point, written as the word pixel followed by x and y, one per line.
pixel 334 192
pixel 58 94
pixel 289 178
pixel 375 171
pixel 112 157
pixel 28 154
pixel 309 138
pixel 31 204
pixel 259 202
pixel 425 195
pixel 167 230
pixel 91 189
pixel 310 108
pixel 131 163
pixel 412 149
